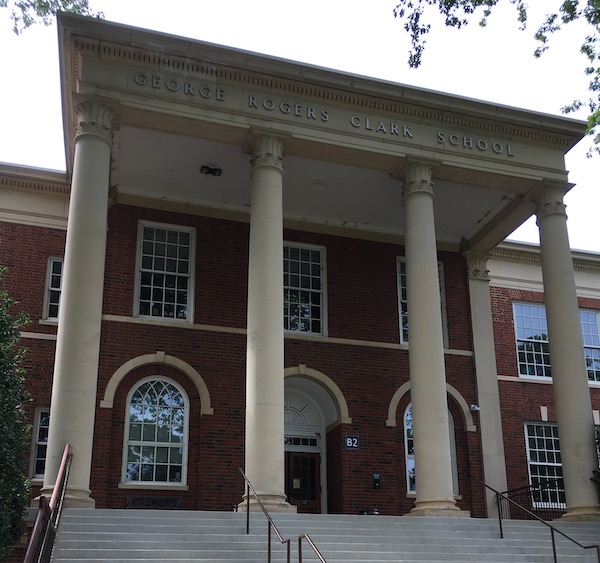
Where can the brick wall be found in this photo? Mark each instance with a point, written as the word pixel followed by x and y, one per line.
pixel 362 306
pixel 521 399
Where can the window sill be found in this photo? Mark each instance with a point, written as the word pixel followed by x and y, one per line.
pixel 153 486
pixel 48 322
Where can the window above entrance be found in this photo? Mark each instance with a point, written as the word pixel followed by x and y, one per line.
pixel 165 272
pixel 304 288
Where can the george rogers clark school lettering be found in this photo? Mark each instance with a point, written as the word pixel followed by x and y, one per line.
pixel 369 124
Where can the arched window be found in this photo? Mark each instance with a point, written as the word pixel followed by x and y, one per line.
pixel 409 451
pixel 156 433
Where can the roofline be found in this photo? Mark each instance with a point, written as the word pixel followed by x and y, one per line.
pixel 307 73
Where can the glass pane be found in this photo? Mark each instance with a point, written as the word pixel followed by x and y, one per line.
pixel 149 434
pixel 175 474
pixel 135 432
pixel 161 473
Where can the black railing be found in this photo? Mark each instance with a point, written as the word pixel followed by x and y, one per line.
pixel 501 497
pixel 270 524
pixel 272 527
pixel 545 499
pixel 39 547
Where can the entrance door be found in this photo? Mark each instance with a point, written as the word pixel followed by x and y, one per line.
pixel 303 481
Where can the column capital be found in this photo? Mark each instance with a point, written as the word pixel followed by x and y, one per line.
pixel 549 200
pixel 266 150
pixel 94 119
pixel 477 265
pixel 417 177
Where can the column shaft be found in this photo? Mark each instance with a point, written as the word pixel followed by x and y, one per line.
pixel 433 465
pixel 78 341
pixel 569 372
pixel 488 394
pixel 264 357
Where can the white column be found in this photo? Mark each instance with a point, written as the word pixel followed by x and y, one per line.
pixel 569 372
pixel 433 464
pixel 264 354
pixel 74 385
pixel 488 394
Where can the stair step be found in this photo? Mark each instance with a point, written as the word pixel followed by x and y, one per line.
pixel 126 535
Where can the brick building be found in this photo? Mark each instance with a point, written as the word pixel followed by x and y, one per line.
pixel 250 243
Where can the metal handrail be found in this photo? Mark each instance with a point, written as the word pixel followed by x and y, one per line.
pixel 312 544
pixel 271 525
pixel 553 529
pixel 39 547
pixel 533 497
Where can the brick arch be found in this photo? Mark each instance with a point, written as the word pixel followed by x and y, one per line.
pixel 452 391
pixel 163 359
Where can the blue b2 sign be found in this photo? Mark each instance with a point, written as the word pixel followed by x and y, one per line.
pixel 352 443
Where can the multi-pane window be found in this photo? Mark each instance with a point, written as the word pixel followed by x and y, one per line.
pixel 545 466
pixel 591 342
pixel 53 288
pixel 40 446
pixel 165 272
pixel 403 301
pixel 533 352
pixel 303 289
pixel 531 328
pixel 156 433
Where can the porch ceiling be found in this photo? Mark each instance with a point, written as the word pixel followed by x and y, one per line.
pixel 167 167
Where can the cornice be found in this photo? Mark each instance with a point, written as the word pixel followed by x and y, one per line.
pixel 29 184
pixel 581 260
pixel 305 87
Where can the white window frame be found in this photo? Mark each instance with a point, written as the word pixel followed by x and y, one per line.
pixel 51 288
pixel 552 465
pixel 40 440
pixel 190 276
pixel 403 302
pixel 590 332
pixel 589 321
pixel 184 444
pixel 322 291
pixel 410 458
pixel 531 357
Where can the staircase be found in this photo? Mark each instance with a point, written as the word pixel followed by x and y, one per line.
pixel 121 536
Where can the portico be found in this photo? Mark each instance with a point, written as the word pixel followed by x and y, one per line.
pixel 312 150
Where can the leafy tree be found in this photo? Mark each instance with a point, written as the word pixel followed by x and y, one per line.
pixel 14 433
pixel 458 13
pixel 25 13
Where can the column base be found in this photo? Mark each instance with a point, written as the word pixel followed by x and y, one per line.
pixel 438 507
pixel 582 513
pixel 74 497
pixel 273 502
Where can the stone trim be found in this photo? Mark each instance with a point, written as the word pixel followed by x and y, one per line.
pixel 333 95
pixel 532 256
pixel 23 183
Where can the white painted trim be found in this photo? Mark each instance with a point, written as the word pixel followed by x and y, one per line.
pixel 329 385
pixel 192 271
pixel 186 431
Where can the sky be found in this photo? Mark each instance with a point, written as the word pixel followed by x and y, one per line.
pixel 494 64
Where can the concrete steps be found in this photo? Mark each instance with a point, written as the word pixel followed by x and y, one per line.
pixel 134 536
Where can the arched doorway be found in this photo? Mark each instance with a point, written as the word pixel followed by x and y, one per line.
pixel 304 451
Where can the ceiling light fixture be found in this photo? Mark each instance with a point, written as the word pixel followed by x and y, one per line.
pixel 210 170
